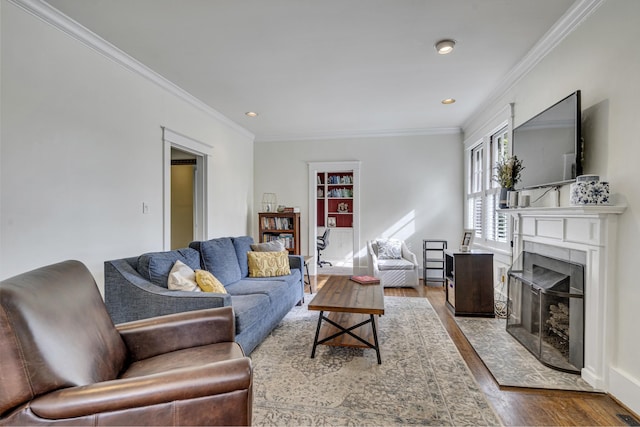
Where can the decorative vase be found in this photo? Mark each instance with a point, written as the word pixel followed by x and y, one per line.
pixel 503 200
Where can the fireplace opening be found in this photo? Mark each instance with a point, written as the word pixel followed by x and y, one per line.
pixel 545 309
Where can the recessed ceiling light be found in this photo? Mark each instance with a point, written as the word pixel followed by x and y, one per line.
pixel 445 46
pixel 251 114
pixel 448 101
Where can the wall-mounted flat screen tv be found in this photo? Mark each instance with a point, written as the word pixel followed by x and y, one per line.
pixel 550 145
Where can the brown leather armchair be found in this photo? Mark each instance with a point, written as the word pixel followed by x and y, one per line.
pixel 62 361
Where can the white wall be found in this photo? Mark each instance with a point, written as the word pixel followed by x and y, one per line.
pixel 411 186
pixel 82 149
pixel 600 58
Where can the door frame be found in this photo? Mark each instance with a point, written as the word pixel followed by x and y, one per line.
pixel 341 166
pixel 173 139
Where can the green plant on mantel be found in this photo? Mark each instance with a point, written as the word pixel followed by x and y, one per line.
pixel 508 172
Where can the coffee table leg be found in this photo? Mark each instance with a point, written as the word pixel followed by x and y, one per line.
pixel 315 340
pixel 375 339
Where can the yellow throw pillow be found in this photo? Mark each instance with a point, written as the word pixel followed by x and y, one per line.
pixel 208 282
pixel 268 264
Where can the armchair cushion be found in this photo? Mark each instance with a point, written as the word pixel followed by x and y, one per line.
pixel 42 347
pixel 389 248
pixel 395 264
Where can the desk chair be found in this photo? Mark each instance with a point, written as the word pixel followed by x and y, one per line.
pixel 322 243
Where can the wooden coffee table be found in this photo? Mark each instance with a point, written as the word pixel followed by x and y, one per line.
pixel 351 308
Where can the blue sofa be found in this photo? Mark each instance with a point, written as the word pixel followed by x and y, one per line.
pixel 136 288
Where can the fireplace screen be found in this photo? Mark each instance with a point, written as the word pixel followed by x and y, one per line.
pixel 545 309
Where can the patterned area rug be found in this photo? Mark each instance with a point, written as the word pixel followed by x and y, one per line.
pixel 422 379
pixel 510 362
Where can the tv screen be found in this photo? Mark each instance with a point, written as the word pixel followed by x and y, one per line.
pixel 550 145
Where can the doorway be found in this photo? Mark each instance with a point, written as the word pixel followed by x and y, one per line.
pixel 185 190
pixel 343 234
pixel 183 221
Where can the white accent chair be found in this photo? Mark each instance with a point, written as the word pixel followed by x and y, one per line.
pixel 393 270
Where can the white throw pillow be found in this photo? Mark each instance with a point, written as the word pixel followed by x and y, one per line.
pixel 182 278
pixel 389 248
pixel 272 246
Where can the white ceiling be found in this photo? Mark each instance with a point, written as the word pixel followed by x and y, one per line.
pixel 324 68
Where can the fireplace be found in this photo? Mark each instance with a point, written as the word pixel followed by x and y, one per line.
pixel 545 310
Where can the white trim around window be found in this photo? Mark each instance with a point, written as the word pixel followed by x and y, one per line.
pixel 492 229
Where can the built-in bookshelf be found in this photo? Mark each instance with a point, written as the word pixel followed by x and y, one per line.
pixel 281 225
pixel 334 199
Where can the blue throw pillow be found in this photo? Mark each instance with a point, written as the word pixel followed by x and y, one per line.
pixel 243 245
pixel 219 257
pixel 155 266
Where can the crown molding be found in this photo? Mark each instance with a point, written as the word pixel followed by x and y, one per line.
pixel 57 19
pixel 357 134
pixel 573 17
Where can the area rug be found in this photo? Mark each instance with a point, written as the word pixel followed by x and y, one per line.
pixel 510 363
pixel 422 379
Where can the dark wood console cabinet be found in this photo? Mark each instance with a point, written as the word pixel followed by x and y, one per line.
pixel 469 283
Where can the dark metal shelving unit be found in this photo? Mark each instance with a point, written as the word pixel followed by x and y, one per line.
pixel 433 260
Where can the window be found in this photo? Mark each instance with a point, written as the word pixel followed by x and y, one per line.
pixel 491 227
pixel 496 222
pixel 474 198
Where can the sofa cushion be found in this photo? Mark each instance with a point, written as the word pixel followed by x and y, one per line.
pixel 208 282
pixel 155 266
pixel 281 293
pixel 294 278
pixel 242 245
pixel 268 264
pixel 219 257
pixel 395 264
pixel 182 278
pixel 249 309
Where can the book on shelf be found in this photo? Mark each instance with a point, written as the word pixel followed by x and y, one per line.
pixel 365 280
pixel 277 223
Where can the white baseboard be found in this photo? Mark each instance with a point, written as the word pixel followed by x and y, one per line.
pixel 625 389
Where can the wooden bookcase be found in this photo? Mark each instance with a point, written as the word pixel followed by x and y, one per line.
pixel 281 225
pixel 469 283
pixel 334 199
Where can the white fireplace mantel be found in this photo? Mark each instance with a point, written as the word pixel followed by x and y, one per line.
pixel 591 229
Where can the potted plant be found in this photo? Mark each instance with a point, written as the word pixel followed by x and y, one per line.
pixel 508 171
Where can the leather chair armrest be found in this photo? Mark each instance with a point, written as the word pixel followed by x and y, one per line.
pixel 158 335
pixel 117 395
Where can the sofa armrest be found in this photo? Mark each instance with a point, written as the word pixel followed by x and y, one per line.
pixel 158 335
pixel 117 395
pixel 129 296
pixel 296 261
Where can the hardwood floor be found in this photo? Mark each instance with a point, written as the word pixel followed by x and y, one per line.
pixel 518 406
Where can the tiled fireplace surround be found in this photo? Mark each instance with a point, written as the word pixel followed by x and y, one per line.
pixel 591 230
